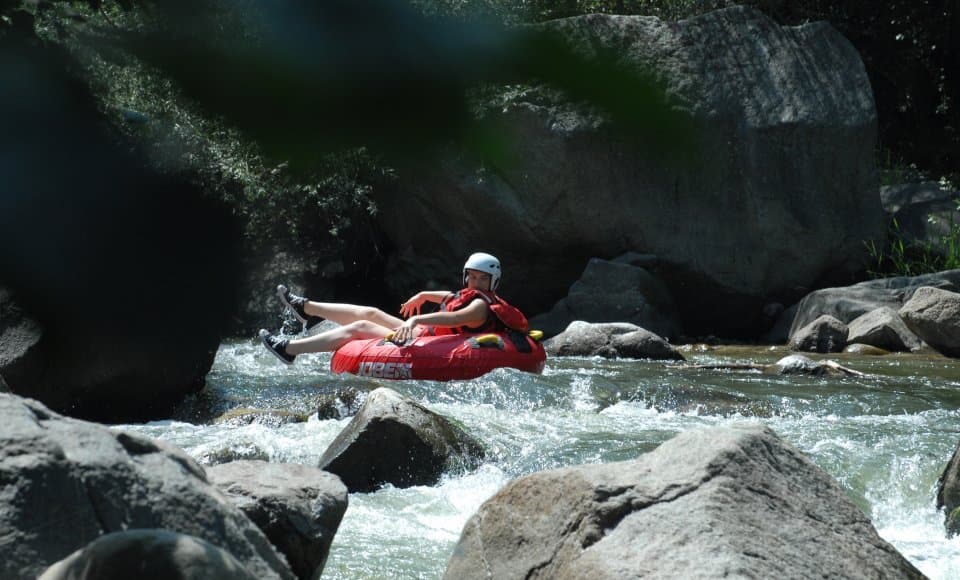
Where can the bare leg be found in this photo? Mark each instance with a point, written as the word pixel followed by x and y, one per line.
pixel 347 313
pixel 335 338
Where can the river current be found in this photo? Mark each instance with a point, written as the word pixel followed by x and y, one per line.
pixel 885 438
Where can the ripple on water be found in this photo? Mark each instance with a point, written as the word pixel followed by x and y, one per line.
pixel 884 438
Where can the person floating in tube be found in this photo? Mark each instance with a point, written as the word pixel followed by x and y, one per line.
pixel 474 309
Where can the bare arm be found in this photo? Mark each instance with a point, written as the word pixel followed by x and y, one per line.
pixel 473 315
pixel 412 306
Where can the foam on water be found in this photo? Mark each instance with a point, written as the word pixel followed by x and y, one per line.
pixel 884 438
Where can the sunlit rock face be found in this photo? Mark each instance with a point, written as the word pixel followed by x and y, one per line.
pixel 775 193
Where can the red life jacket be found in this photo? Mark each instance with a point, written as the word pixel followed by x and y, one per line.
pixel 500 315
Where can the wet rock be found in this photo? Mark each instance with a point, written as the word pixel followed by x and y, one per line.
pixel 800 365
pixel 342 403
pixel 761 510
pixel 883 328
pixel 92 480
pixel 610 340
pixel 393 439
pixel 149 555
pixel 685 399
pixel 934 315
pixel 825 334
pixel 864 349
pixel 265 417
pixel 614 291
pixel 948 493
pixel 298 507
pixel 233 452
pixel 847 303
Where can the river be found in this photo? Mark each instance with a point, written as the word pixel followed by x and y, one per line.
pixel 885 438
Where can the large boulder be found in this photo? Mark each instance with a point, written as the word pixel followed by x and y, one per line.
pixel 714 503
pixel 934 315
pixel 148 555
pixel 99 375
pixel 65 482
pixel 848 303
pixel 825 334
pixel 132 281
pixel 298 507
pixel 610 340
pixel 948 493
pixel 778 193
pixel 882 328
pixel 614 291
pixel 393 439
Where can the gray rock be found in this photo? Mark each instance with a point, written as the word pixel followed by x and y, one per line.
pixel 233 451
pixel 864 349
pixel 825 334
pixel 610 340
pixel 925 212
pixel 882 328
pixel 393 439
pixel 725 502
pixel 93 377
pixel 66 482
pixel 934 315
pixel 948 493
pixel 850 302
pixel 783 172
pixel 779 333
pixel 797 364
pixel 148 555
pixel 267 417
pixel 298 507
pixel 612 291
pixel 895 198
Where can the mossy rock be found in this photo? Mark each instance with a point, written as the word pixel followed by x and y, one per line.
pixel 266 417
pixel 865 349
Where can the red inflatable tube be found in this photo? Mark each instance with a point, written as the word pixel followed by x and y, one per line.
pixel 439 358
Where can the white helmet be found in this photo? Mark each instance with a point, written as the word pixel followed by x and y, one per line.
pixel 484 263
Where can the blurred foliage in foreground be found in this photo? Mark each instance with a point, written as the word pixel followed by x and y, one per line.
pixel 364 59
pixel 294 112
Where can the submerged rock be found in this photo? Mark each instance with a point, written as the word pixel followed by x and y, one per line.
pixel 825 334
pixel 610 340
pixel 298 507
pixel 92 480
pixel 864 349
pixel 266 417
pixel 800 365
pixel 149 555
pixel 234 451
pixel 713 503
pixel 934 315
pixel 393 439
pixel 342 403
